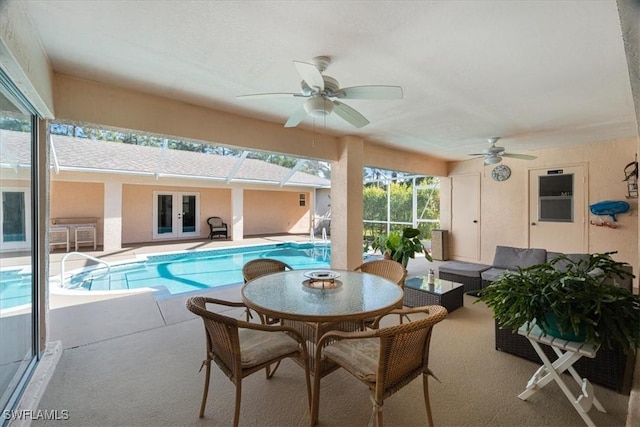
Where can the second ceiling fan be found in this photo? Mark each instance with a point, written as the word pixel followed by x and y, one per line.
pixel 494 154
pixel 320 91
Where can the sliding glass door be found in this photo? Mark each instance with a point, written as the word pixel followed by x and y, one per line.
pixel 18 291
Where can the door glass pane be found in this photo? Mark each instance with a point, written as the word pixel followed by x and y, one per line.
pixel 13 217
pixel 16 256
pixel 165 214
pixel 188 213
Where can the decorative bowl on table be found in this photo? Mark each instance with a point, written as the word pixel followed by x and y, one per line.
pixel 321 279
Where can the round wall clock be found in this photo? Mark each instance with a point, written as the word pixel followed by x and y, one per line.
pixel 501 173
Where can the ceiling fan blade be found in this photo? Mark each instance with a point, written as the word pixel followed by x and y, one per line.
pixel 268 95
pixel 477 154
pixel 519 156
pixel 349 114
pixel 310 74
pixel 296 118
pixel 370 92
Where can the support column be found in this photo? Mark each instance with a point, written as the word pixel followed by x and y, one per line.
pixel 347 204
pixel 237 213
pixel 112 225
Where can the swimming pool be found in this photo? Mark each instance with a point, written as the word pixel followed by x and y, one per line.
pixel 15 287
pixel 178 273
pixel 171 273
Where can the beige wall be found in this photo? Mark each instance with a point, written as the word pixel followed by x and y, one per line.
pixel 275 212
pixel 77 194
pixel 137 212
pixel 78 200
pixel 504 205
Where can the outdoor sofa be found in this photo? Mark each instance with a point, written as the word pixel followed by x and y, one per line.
pixel 611 368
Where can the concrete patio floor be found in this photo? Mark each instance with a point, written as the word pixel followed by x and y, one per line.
pixel 93 321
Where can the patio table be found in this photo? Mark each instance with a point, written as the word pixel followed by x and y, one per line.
pixel 300 301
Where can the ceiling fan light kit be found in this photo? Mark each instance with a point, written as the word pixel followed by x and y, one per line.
pixel 494 154
pixel 318 107
pixel 320 89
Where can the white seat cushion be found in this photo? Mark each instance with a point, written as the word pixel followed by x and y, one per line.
pixel 257 347
pixel 361 355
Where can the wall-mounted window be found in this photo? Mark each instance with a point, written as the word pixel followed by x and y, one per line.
pixel 302 199
pixel 555 198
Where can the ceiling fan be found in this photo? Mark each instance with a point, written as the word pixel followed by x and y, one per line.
pixel 320 91
pixel 494 154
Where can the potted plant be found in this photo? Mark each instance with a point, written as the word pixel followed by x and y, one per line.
pixel 577 301
pixel 400 246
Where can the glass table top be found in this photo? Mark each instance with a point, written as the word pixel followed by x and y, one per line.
pixel 438 287
pixel 356 296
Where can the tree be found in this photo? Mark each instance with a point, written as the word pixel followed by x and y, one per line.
pixel 19 124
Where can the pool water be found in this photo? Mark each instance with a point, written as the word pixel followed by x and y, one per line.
pixel 15 287
pixel 173 274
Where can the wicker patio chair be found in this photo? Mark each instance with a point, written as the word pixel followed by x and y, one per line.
pixel 217 227
pixel 259 267
pixel 384 359
pixel 388 269
pixel 241 348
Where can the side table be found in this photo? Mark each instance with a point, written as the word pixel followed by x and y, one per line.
pixel 417 292
pixel 568 353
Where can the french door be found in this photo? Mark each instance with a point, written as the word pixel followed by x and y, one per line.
pixel 176 215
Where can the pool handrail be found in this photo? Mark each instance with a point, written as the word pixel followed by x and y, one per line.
pixel 312 235
pixel 98 260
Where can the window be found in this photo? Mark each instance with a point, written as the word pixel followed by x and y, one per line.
pixel 302 199
pixel 555 198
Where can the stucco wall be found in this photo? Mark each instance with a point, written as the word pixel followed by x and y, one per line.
pixel 275 212
pixel 78 200
pixel 137 217
pixel 504 205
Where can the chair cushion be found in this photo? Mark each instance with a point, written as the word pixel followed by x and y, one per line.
pixel 360 355
pixel 258 347
pixel 511 258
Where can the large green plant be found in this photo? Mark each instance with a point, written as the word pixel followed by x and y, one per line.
pixel 401 246
pixel 582 297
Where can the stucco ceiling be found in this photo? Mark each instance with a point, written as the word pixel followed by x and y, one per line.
pixel 539 74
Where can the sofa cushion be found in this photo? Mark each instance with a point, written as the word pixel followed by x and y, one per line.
pixel 562 265
pixel 466 269
pixel 511 258
pixel 492 274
